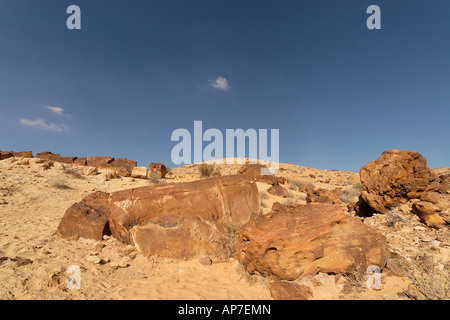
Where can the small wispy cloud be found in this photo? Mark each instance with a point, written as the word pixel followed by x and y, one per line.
pixel 41 124
pixel 57 110
pixel 220 84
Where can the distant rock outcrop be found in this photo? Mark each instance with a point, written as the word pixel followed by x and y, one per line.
pixel 298 240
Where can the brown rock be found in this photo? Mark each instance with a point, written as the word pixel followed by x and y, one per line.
pixel 47 155
pixel 395 177
pixel 23 154
pixel 99 162
pixel 123 167
pixel 87 219
pixel 184 220
pixel 139 173
pixel 278 191
pixel 256 170
pixel 361 208
pixel 282 290
pixel 80 161
pixel 5 155
pixel 322 196
pixel 294 241
pixel 428 214
pixel 157 168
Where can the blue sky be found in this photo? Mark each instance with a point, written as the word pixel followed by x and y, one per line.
pixel 339 93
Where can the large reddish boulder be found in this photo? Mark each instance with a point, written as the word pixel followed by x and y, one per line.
pixel 184 220
pixel 396 177
pixel 87 218
pixel 298 240
pixel 255 170
pixel 158 169
pixel 99 162
pixel 123 167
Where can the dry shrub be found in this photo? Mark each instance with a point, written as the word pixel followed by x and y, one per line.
pixel 426 282
pixel 294 184
pixel 74 174
pixel 59 183
pixel 350 193
pixel 205 170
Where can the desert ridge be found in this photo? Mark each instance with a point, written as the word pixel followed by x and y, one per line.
pixel 302 233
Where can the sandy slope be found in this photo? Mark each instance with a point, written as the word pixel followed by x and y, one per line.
pixel 33 260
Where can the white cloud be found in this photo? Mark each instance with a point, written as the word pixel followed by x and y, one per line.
pixel 221 84
pixel 40 123
pixel 57 110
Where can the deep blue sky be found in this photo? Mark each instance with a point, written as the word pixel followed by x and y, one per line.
pixel 340 94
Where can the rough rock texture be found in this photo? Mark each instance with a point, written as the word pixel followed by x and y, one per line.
pixel 157 168
pixel 429 214
pixel 294 241
pixel 184 220
pixel 282 290
pixel 99 162
pixel 80 161
pixel 5 155
pixel 123 167
pixel 395 177
pixel 254 170
pixel 47 155
pixel 139 173
pixel 87 218
pixel 23 154
pixel 323 196
pixel 278 191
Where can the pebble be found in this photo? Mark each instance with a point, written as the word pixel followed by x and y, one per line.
pixel 93 259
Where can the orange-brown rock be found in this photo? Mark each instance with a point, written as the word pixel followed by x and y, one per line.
pixel 99 162
pixel 429 214
pixel 323 196
pixel 184 220
pixel 278 191
pixel 157 168
pixel 294 241
pixel 87 218
pixel 80 161
pixel 123 167
pixel 256 170
pixel 395 177
pixel 23 154
pixel 282 290
pixel 47 155
pixel 5 155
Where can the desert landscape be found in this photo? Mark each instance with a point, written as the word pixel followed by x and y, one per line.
pixel 222 231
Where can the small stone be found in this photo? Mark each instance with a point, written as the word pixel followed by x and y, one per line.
pixel 206 261
pixel 93 259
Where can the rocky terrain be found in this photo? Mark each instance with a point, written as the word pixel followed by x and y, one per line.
pixel 221 231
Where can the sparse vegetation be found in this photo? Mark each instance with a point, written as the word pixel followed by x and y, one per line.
pixel 73 173
pixel 154 177
pixel 59 183
pixel 350 193
pixel 295 184
pixel 205 170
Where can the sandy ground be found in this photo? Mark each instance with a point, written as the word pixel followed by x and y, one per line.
pixel 33 260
